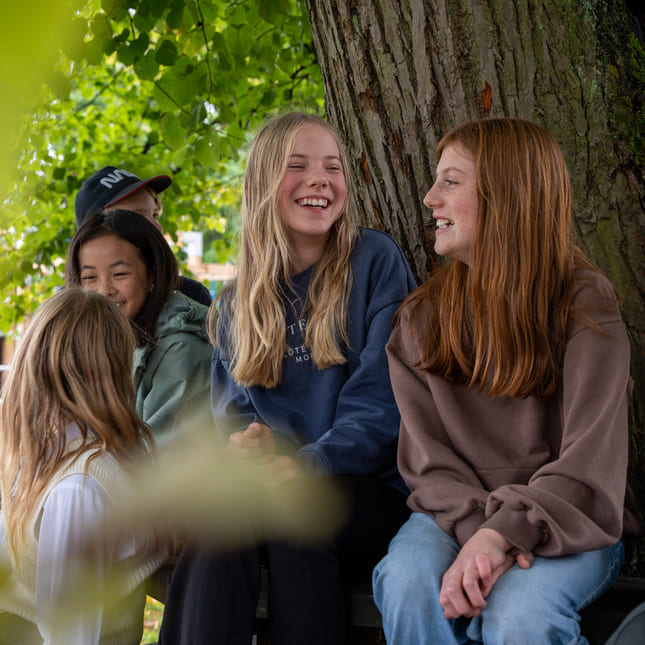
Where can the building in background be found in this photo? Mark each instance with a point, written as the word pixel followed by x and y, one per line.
pixel 215 275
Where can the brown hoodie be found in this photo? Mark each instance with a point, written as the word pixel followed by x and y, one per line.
pixel 548 474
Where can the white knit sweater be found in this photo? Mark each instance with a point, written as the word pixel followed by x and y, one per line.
pixel 122 621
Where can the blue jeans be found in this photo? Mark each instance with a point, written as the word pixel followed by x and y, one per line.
pixel 536 606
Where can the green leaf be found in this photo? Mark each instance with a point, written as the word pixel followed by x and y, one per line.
pixel 197 117
pixel 218 42
pixel 109 46
pixel 226 112
pixel 73 46
pixel 153 138
pixel 207 150
pixel 185 85
pixel 268 98
pixel 101 29
pixel 273 11
pixel 171 131
pixel 175 17
pixel 266 11
pixel 116 10
pixel 166 53
pixel 125 54
pixel 146 67
pixel 123 36
pixel 60 85
pixel 163 99
pixel 225 61
pixel 210 11
pixel 140 45
pixel 157 8
pixel 144 23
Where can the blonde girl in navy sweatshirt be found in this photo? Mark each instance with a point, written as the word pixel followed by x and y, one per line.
pixel 299 381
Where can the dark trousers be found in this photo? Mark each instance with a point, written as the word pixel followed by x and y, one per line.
pixel 213 594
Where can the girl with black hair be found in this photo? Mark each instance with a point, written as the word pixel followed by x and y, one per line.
pixel 124 257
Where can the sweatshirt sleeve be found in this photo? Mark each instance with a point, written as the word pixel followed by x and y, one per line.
pixel 231 404
pixel 441 483
pixel 575 502
pixel 71 509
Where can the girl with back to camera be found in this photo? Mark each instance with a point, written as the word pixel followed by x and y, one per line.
pixel 299 381
pixel 510 367
pixel 69 435
pixel 124 257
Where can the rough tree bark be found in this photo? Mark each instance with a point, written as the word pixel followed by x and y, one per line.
pixel 398 74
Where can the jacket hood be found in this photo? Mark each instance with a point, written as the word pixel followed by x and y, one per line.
pixel 181 314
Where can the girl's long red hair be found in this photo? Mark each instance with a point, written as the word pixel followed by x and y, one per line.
pixel 500 323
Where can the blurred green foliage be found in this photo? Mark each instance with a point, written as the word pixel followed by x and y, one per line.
pixel 154 86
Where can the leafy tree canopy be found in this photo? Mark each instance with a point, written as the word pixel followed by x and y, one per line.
pixel 154 86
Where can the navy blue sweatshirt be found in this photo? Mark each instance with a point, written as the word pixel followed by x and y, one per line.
pixel 342 420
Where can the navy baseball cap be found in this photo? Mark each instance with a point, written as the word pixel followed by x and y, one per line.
pixel 110 185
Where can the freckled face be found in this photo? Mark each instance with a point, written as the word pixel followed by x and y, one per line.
pixel 313 190
pixel 113 267
pixel 454 203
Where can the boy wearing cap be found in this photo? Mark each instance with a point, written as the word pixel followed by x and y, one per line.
pixel 112 185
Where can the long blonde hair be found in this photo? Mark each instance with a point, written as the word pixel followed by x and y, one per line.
pixel 257 336
pixel 501 322
pixel 73 364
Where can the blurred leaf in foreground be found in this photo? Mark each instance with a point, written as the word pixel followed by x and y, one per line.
pixel 194 488
pixel 29 47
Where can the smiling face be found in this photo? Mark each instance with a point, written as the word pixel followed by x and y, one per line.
pixel 454 202
pixel 113 267
pixel 313 190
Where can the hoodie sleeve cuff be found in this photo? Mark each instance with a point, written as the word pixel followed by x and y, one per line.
pixel 312 462
pixel 514 526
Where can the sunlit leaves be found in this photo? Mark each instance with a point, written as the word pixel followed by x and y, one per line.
pixel 26 49
pixel 174 86
pixel 183 83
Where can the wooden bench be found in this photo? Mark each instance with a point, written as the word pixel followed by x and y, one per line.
pixel 599 619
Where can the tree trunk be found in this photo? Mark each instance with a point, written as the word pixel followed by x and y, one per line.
pixel 399 74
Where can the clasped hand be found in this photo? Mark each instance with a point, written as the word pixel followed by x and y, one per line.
pixel 257 443
pixel 470 578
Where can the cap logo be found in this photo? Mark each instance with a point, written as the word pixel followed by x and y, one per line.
pixel 113 178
